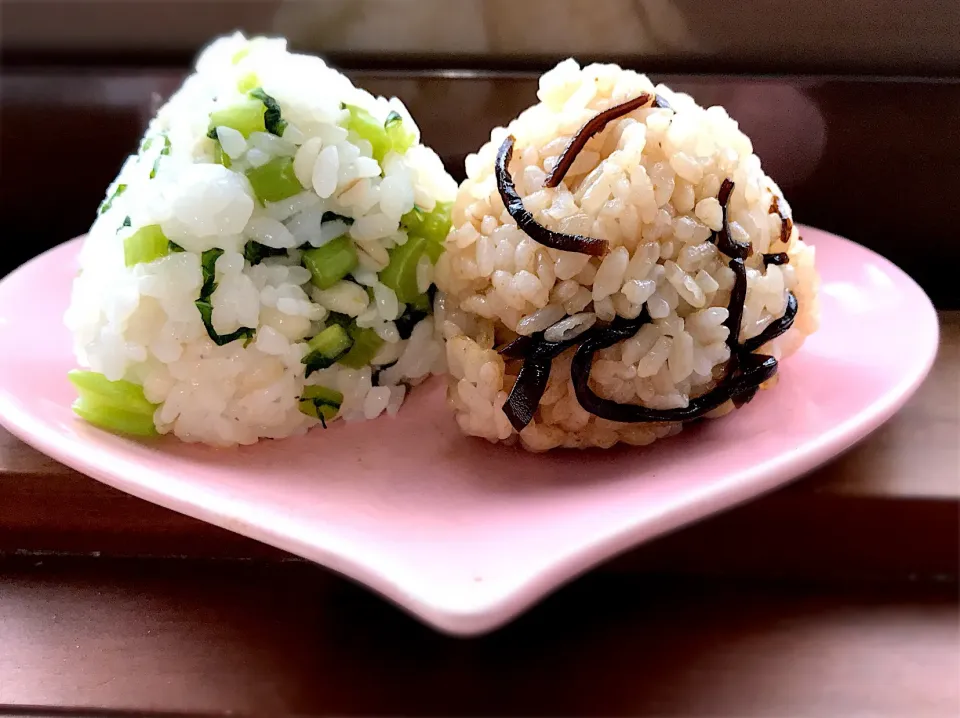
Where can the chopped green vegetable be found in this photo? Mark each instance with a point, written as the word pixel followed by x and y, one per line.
pixel 366 344
pixel 344 320
pixel 240 54
pixel 275 180
pixel 258 112
pixel 208 264
pixel 391 135
pixel 246 117
pixel 331 262
pixel 121 393
pixel 271 117
pixel 206 314
pixel 126 223
pixel 254 252
pixel 145 245
pixel 368 128
pixel 174 247
pixel 113 419
pixel 108 202
pixel 331 396
pixel 112 405
pixel 220 157
pixel 413 220
pixel 433 250
pixel 248 82
pixel 401 273
pixel 426 233
pixel 400 139
pixel 326 348
pixel 164 151
pixel 321 403
pixel 433 225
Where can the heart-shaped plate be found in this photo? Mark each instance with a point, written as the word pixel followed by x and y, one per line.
pixel 459 532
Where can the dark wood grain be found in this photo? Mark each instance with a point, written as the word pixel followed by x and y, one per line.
pixel 272 638
pixel 690 35
pixel 873 160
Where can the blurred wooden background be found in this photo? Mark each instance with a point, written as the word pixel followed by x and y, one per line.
pixel 751 36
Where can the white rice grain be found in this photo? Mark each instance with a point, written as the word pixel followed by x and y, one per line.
pixel 232 142
pixel 387 305
pixel 609 277
pixel 270 232
pixel 540 320
pixel 570 328
pixel 325 170
pixel 305 161
pixel 344 297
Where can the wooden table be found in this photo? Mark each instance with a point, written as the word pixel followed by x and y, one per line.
pixel 835 596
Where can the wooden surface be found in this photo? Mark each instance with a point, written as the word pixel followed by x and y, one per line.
pixel 272 638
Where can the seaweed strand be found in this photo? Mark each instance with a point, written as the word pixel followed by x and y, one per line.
pixel 525 221
pixel 590 128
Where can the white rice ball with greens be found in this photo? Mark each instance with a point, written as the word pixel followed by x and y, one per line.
pixel 619 264
pixel 264 263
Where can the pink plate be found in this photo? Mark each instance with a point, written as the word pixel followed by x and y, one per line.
pixel 459 532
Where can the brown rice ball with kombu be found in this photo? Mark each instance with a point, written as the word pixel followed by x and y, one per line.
pixel 628 341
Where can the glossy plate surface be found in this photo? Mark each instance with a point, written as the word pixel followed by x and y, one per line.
pixel 459 532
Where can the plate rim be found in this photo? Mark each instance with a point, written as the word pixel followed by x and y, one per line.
pixel 496 609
